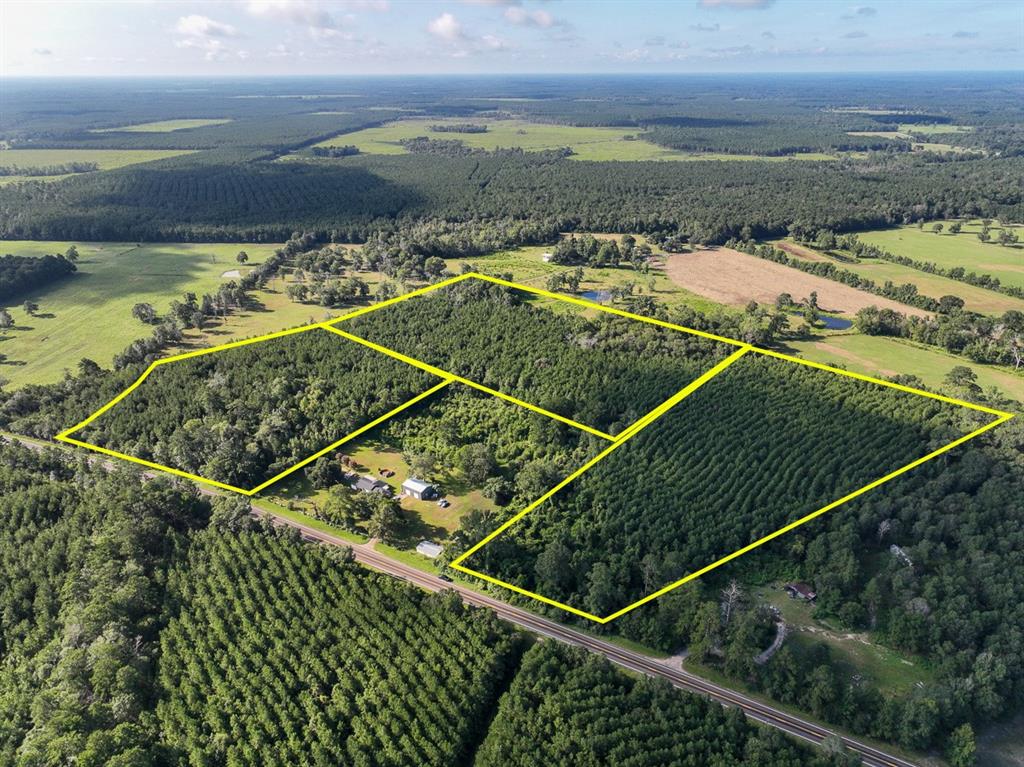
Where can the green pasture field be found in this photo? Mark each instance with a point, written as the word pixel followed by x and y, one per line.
pixel 88 314
pixel 885 357
pixel 975 299
pixel 587 143
pixel 106 159
pixel 161 126
pixel 953 250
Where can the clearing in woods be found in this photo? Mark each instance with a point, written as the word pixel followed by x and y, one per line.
pixel 105 159
pixel 587 143
pixel 161 126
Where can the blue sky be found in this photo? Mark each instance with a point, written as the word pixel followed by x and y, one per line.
pixel 351 37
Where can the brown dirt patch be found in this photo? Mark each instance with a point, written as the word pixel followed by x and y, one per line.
pixel 799 251
pixel 731 277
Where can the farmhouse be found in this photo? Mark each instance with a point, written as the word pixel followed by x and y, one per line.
pixel 371 485
pixel 429 549
pixel 800 591
pixel 418 489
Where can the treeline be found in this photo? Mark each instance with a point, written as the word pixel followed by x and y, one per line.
pixel 459 128
pixel 761 138
pixel 604 372
pixel 989 340
pixel 567 707
pixel 335 151
pixel 21 274
pixel 587 250
pixel 230 200
pixel 48 170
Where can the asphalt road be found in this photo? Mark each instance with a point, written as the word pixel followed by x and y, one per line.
pixel 629 659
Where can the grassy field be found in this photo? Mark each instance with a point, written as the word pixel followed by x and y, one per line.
pixel 878 356
pixel 161 126
pixel 88 314
pixel 933 285
pixel 952 250
pixel 586 143
pixel 106 159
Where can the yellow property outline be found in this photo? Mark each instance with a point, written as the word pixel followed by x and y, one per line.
pixel 616 441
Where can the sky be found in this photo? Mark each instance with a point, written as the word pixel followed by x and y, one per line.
pixel 360 37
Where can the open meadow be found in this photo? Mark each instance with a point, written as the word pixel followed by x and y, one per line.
pixel 976 299
pixel 952 250
pixel 105 159
pixel 586 143
pixel 89 313
pixel 161 126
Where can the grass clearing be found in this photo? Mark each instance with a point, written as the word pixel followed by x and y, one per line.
pixel 976 299
pixel 952 250
pixel 161 126
pixel 587 143
pixel 88 314
pixel 879 356
pixel 892 672
pixel 106 159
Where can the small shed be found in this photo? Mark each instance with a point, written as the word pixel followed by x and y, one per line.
pixel 546 258
pixel 429 549
pixel 418 489
pixel 800 591
pixel 367 484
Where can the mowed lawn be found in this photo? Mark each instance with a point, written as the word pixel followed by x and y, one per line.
pixel 886 357
pixel 106 159
pixel 88 314
pixel 587 143
pixel 952 250
pixel 161 126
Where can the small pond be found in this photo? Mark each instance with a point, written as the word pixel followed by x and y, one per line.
pixel 596 295
pixel 830 323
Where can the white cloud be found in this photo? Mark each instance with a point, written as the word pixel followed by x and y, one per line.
pixel 42 51
pixel 855 35
pixel 308 13
pixel 203 26
pixel 494 43
pixel 705 27
pixel 446 27
pixel 524 18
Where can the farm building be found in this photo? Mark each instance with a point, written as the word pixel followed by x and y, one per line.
pixel 371 485
pixel 429 549
pixel 800 591
pixel 546 258
pixel 418 489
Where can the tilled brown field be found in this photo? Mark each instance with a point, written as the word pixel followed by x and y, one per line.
pixel 731 277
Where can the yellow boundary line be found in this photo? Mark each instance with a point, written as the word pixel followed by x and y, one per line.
pixel 663 408
pixel 457 563
pixel 616 441
pixel 493 392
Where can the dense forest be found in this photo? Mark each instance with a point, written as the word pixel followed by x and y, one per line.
pixel 763 443
pixel 244 414
pixel 569 708
pixel 604 372
pixel 217 197
pixel 146 626
pixel 20 274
